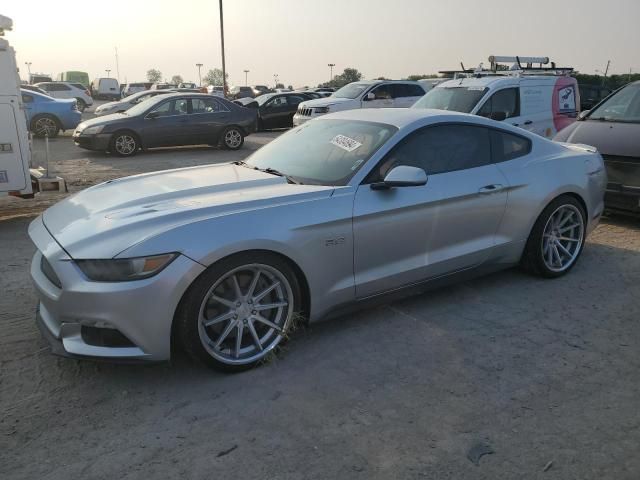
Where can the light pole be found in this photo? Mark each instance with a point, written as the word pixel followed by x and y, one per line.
pixel 108 72
pixel 199 65
pixel 224 69
pixel 117 65
pixel 245 77
pixel 275 79
pixel 331 65
pixel 28 64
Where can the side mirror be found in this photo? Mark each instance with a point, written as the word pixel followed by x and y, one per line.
pixel 498 116
pixel 153 115
pixel 370 96
pixel 583 114
pixel 402 176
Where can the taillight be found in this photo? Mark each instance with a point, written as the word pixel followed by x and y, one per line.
pixel 87 92
pixel 74 106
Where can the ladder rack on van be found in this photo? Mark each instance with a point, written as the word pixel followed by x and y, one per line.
pixel 517 69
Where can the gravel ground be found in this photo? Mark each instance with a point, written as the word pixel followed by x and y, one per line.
pixel 544 373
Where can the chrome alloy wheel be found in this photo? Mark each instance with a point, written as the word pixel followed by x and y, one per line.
pixel 125 144
pixel 45 126
pixel 562 238
pixel 233 138
pixel 245 314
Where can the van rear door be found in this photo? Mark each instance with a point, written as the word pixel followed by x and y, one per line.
pixel 13 172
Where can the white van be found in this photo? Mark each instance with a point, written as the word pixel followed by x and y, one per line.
pixel 365 94
pixel 541 100
pixel 15 152
pixel 105 89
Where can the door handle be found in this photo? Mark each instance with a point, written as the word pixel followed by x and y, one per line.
pixel 496 187
pixel 528 122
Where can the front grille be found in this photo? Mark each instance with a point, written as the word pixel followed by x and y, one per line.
pixel 305 112
pixel 48 271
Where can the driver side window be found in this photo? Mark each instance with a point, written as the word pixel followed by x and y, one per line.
pixel 277 102
pixel 164 109
pixel 383 92
pixel 505 101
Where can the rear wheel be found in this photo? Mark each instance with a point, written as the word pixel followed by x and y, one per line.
pixel 45 125
pixel 232 138
pixel 239 311
pixel 124 144
pixel 557 238
pixel 81 104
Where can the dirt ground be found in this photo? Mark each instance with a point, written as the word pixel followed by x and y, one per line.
pixel 543 373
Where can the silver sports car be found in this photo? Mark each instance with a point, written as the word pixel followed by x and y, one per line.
pixel 345 209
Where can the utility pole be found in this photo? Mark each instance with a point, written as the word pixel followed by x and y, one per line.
pixel 331 65
pixel 199 65
pixel 245 78
pixel 28 64
pixel 275 80
pixel 224 68
pixel 117 65
pixel 606 70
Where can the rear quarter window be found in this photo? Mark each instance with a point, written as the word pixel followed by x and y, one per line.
pixel 507 146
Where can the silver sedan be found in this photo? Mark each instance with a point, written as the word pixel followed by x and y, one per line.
pixel 349 208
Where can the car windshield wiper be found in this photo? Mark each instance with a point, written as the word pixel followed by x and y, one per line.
pixel 270 170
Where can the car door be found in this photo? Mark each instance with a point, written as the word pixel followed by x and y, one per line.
pixel 378 97
pixel 167 124
pixel 408 234
pixel 209 117
pixel 274 112
pixel 293 101
pixel 504 105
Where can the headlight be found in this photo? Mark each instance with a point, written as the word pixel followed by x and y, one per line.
pixel 81 127
pixel 321 109
pixel 93 130
pixel 125 269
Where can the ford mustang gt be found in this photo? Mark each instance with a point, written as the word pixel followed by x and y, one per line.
pixel 344 209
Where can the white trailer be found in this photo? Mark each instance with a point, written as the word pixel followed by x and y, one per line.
pixel 15 150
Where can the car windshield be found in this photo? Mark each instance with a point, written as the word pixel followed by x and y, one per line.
pixel 144 104
pixel 323 152
pixel 623 106
pixel 262 99
pixel 353 90
pixel 457 99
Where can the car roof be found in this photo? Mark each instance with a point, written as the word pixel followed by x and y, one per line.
pixel 402 117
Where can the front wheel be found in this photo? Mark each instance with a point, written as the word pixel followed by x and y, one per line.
pixel 239 311
pixel 557 238
pixel 45 125
pixel 232 138
pixel 124 144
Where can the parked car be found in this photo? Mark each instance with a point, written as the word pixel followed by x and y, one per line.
pixel 590 95
pixel 105 89
pixel 168 120
pixel 163 86
pixel 542 104
pixel 241 92
pixel 75 77
pixel 218 91
pixel 187 85
pixel 222 259
pixel 47 115
pixel 328 90
pixel 132 88
pixel 275 110
pixel 613 127
pixel 366 94
pixel 39 77
pixel 68 90
pixel 260 90
pixel 128 102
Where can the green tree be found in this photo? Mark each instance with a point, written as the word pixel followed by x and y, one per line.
pixel 176 79
pixel 154 75
pixel 415 78
pixel 612 81
pixel 214 77
pixel 347 76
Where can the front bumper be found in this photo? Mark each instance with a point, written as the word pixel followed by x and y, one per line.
pixel 98 142
pixel 299 120
pixel 70 120
pixel 140 312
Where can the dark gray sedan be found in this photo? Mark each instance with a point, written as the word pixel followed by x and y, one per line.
pixel 168 120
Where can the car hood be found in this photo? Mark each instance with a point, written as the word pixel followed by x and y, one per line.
pixel 110 118
pixel 104 220
pixel 325 102
pixel 610 138
pixel 108 105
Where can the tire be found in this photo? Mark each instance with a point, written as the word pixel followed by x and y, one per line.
pixel 557 238
pixel 45 124
pixel 82 106
pixel 232 138
pixel 239 313
pixel 124 144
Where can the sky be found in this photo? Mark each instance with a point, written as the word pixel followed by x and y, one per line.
pixel 297 39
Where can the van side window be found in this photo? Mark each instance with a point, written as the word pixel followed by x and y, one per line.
pixel 505 102
pixel 507 146
pixel 440 149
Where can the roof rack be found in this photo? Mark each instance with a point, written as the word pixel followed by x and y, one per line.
pixel 516 69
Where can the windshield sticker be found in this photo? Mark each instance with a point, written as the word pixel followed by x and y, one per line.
pixel 357 164
pixel 475 88
pixel 345 143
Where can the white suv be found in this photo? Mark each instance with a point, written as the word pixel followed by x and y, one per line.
pixel 365 94
pixel 68 90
